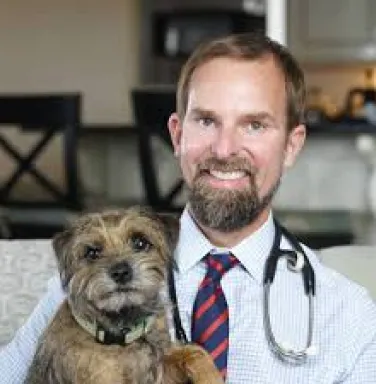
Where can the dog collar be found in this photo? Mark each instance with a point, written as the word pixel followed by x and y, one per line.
pixel 128 335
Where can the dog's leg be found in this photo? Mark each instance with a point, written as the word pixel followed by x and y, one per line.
pixel 190 364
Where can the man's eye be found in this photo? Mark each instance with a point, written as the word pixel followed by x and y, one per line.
pixel 140 243
pixel 92 252
pixel 255 126
pixel 205 121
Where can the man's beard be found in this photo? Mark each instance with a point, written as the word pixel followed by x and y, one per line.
pixel 226 209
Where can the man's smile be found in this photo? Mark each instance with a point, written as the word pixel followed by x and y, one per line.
pixel 233 175
pixel 226 179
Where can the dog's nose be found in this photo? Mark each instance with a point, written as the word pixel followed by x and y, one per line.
pixel 121 272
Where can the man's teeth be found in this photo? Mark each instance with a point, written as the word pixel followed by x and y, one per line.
pixel 227 175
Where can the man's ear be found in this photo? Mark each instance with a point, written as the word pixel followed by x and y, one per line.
pixel 174 127
pixel 294 144
pixel 61 246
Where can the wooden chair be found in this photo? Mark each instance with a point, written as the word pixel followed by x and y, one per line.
pixel 49 115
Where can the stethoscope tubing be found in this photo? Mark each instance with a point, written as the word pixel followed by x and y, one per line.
pixel 283 353
pixel 180 334
pixel 297 261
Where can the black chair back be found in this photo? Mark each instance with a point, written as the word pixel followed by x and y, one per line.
pixel 152 108
pixel 48 114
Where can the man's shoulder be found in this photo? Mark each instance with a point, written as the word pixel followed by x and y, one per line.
pixel 343 306
pixel 338 275
pixel 348 268
pixel 340 295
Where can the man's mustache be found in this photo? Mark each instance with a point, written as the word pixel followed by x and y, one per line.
pixel 226 165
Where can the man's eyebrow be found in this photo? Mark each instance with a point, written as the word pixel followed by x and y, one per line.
pixel 258 116
pixel 201 111
pixel 246 117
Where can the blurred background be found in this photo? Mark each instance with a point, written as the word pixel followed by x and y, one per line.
pixel 86 87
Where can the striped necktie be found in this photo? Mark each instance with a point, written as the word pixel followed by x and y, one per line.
pixel 210 323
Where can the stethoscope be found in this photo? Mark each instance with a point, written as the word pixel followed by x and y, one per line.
pixel 297 261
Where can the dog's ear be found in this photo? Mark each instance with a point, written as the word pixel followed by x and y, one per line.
pixel 171 225
pixel 61 245
pixel 61 240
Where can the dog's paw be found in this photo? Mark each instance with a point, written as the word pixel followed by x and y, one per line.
pixel 193 365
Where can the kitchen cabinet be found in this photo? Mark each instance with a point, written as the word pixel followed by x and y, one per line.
pixel 252 6
pixel 332 31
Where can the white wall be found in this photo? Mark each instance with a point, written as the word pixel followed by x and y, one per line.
pixel 90 46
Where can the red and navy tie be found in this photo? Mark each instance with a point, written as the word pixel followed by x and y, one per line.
pixel 210 323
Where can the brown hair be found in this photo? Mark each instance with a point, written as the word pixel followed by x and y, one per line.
pixel 248 46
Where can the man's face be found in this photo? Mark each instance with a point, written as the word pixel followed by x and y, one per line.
pixel 233 142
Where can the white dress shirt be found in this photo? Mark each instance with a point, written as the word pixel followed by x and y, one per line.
pixel 344 318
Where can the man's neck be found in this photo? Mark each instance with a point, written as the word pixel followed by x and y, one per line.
pixel 231 239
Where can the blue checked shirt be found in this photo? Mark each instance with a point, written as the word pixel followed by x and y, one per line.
pixel 344 319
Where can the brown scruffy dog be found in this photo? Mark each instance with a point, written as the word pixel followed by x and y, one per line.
pixel 112 327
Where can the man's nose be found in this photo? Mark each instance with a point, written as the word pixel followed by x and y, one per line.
pixel 226 143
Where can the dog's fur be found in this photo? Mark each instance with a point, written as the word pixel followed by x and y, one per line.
pixel 113 266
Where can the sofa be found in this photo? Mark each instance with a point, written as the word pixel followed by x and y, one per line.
pixel 26 265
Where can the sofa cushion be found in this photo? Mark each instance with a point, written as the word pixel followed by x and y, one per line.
pixel 25 267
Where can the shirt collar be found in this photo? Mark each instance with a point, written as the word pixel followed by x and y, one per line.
pixel 251 252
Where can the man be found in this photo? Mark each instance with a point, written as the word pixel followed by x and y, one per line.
pixel 238 126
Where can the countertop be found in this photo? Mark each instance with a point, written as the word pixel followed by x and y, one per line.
pixel 342 128
pixel 324 128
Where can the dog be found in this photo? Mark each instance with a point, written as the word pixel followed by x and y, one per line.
pixel 113 328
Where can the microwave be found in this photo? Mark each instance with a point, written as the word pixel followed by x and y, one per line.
pixel 177 33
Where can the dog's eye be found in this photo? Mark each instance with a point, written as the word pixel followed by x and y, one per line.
pixel 92 252
pixel 140 243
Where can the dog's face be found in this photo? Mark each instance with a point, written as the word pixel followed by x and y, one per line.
pixel 117 259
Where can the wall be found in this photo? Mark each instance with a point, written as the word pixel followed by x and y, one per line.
pixel 89 46
pixel 66 45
